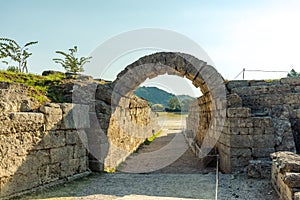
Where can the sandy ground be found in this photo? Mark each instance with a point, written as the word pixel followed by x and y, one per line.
pixel 164 170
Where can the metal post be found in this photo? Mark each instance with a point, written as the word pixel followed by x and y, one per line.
pixel 244 73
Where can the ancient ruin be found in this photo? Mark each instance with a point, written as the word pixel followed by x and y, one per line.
pixel 101 125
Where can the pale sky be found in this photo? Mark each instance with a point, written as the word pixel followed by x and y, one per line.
pixel 256 35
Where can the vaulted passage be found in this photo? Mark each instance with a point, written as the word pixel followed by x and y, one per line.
pixel 210 112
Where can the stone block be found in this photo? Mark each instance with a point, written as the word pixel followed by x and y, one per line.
pixel 236 84
pixel 285 175
pixel 241 141
pixel 237 152
pixel 18 183
pixel 269 131
pixel 297 196
pixel 262 122
pixel 259 169
pixel 241 122
pixel 104 93
pixel 30 164
pixel 50 109
pixel 83 164
pixel 72 137
pixel 290 81
pixel 234 100
pixel 297 89
pixel 263 141
pixel 292 179
pixel 53 115
pixel 69 167
pixel 79 151
pixel 262 152
pixel 94 123
pixel 61 154
pixel 75 116
pixel 53 139
pixel 49 173
pixel 239 131
pixel 224 139
pixel 198 81
pixel 239 112
pixel 256 131
pixel 25 121
pixel 225 162
pixel 286 161
pixel 292 98
pixel 218 92
pixel 41 157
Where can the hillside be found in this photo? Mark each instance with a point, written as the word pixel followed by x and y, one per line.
pixel 155 95
pixel 184 96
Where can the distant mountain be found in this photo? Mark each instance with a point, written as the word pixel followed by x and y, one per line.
pixel 155 95
pixel 184 96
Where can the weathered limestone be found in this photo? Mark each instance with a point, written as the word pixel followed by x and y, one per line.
pixel 36 150
pixel 75 116
pixel 286 174
pixel 202 75
pixel 244 121
pixel 119 122
pixel 131 123
pixel 259 169
pixel 262 117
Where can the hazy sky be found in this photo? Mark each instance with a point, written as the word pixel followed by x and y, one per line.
pixel 256 35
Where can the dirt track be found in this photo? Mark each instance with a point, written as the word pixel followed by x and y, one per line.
pixel 182 178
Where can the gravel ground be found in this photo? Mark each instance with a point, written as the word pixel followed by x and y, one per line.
pixel 183 178
pixel 160 186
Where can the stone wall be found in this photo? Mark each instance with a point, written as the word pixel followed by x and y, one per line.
pixel 116 130
pixel 286 175
pixel 130 124
pixel 262 117
pixel 40 147
pixel 197 123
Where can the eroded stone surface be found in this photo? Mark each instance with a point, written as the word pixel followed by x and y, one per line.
pixel 286 174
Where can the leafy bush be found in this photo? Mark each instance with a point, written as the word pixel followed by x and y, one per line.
pixel 11 49
pixel 70 62
pixel 293 73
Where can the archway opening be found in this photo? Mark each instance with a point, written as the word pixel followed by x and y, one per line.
pixel 206 113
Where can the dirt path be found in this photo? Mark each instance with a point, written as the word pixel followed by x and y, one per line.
pixel 159 186
pixel 180 180
pixel 162 176
pixel 168 153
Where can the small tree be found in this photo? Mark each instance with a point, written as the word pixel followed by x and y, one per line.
pixel 11 49
pixel 174 104
pixel 70 62
pixel 293 73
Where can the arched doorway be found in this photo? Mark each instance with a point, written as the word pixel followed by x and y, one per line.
pixel 208 112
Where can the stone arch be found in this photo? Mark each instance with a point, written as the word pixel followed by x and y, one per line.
pixel 202 75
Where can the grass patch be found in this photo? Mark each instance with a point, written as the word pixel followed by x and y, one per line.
pixel 41 87
pixel 149 140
